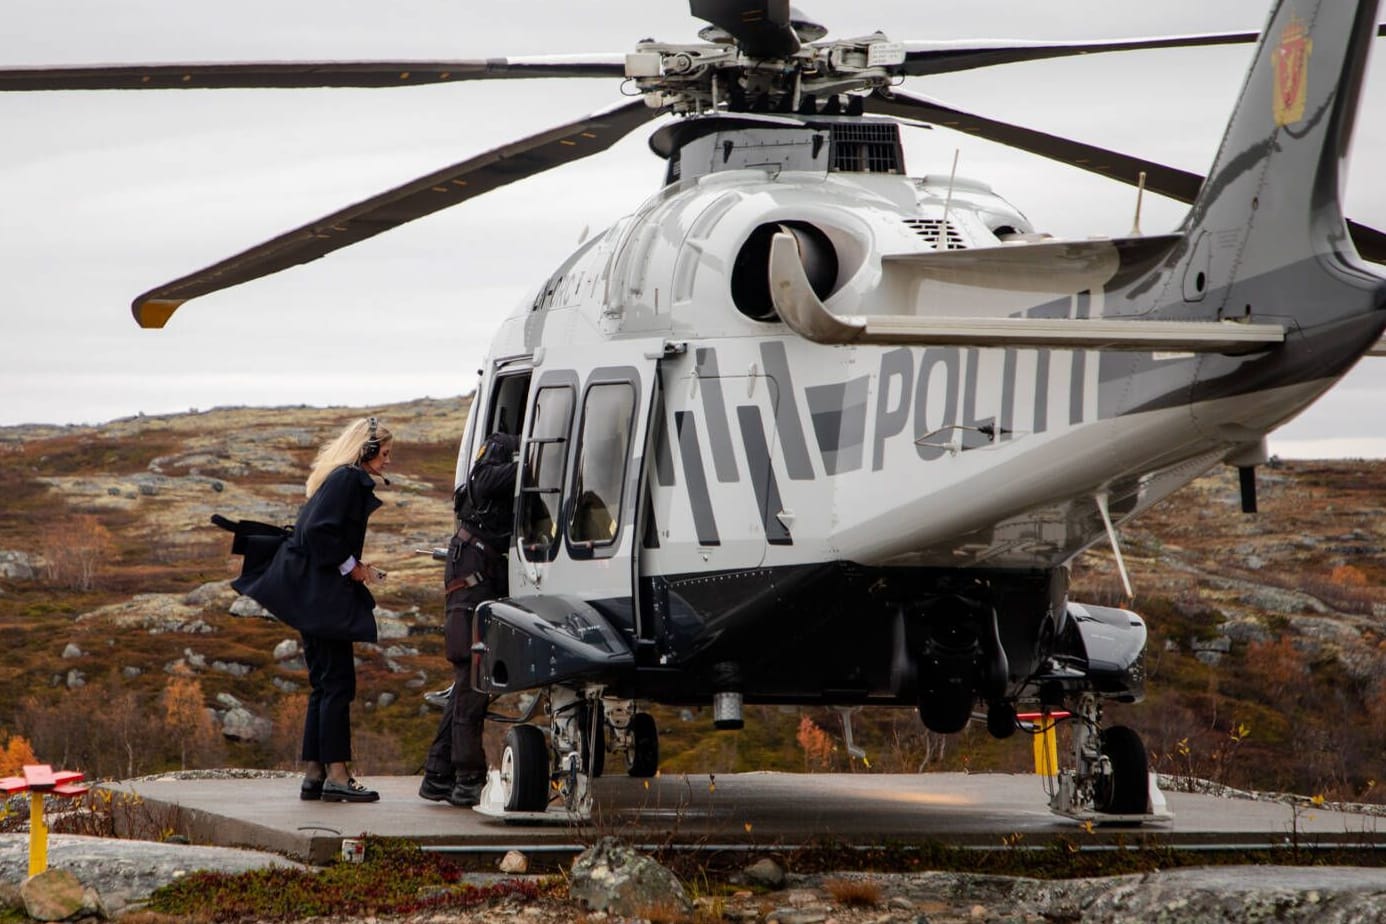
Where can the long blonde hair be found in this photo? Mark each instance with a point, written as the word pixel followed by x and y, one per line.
pixel 347 449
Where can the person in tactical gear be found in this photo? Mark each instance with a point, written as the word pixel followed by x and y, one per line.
pixel 475 571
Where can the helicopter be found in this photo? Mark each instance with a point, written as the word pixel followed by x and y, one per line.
pixel 805 429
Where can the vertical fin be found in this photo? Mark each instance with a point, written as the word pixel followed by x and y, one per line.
pixel 1272 196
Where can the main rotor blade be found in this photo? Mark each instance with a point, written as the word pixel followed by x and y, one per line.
pixel 1370 243
pixel 1179 185
pixel 761 27
pixel 944 57
pixel 297 74
pixel 1167 181
pixel 449 186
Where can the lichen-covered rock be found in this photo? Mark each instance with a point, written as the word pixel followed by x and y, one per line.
pixel 611 877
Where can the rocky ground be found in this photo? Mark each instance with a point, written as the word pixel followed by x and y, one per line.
pixel 123 872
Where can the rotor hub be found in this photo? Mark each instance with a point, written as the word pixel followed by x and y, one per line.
pixel 720 76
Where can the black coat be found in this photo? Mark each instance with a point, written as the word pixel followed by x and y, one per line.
pixel 302 584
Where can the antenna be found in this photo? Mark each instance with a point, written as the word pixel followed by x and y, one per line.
pixel 1140 193
pixel 1101 499
pixel 947 203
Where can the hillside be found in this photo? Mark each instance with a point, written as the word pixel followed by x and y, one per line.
pixel 128 653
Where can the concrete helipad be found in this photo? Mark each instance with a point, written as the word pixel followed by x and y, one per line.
pixel 766 809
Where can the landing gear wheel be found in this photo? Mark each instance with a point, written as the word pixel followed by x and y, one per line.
pixel 593 737
pixel 1126 791
pixel 1001 720
pixel 642 759
pixel 524 772
pixel 946 710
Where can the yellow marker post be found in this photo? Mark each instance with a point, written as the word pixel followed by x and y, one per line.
pixel 37 781
pixel 1045 740
pixel 1046 748
pixel 38 835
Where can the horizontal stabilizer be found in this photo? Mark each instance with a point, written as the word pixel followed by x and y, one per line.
pixel 1052 267
pixel 800 308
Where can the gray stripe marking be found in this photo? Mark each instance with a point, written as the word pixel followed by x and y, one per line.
pixel 1008 374
pixel 651 538
pixel 787 423
pixel 838 412
pixel 762 474
pixel 1080 366
pixel 715 410
pixel 704 522
pixel 663 455
pixel 1041 391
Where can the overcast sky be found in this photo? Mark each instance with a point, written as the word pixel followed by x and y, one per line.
pixel 104 195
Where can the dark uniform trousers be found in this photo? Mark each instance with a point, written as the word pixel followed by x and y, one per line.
pixel 327 723
pixel 457 750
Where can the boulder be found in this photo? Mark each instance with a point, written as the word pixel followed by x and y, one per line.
pixel 619 880
pixel 56 895
pixel 765 872
pixel 242 725
pixel 245 606
pixel 16 566
pixel 215 593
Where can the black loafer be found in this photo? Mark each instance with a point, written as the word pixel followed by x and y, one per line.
pixel 350 791
pixel 310 790
pixel 435 788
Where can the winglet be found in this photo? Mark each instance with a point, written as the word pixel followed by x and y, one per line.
pixel 154 312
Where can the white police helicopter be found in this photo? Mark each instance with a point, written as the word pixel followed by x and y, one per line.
pixel 803 428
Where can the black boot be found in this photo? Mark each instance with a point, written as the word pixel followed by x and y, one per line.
pixel 435 788
pixel 467 791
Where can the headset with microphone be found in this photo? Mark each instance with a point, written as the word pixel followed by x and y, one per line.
pixel 371 448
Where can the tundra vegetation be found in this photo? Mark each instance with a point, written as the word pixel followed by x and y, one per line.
pixel 1266 661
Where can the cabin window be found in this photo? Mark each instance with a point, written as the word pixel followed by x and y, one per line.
pixel 599 475
pixel 541 484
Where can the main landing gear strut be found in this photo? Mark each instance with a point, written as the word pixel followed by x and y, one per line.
pixel 1110 780
pixel 584 725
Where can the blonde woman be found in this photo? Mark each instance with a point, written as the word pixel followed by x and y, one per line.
pixel 316 583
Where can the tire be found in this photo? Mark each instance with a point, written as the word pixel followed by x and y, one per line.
pixel 642 759
pixel 1127 791
pixel 593 744
pixel 525 770
pixel 947 710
